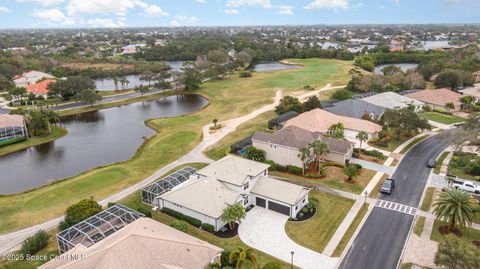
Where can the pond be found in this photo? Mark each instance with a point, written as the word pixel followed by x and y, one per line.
pixel 403 66
pixel 273 66
pixel 94 139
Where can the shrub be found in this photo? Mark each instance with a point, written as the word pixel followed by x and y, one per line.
pixel 245 74
pixel 359 166
pixel 180 225
pixel 81 211
pixel 308 88
pixel 295 170
pixel 281 168
pixel 193 221
pixel 225 258
pixel 273 165
pixel 208 227
pixel 374 153
pixel 144 211
pixel 326 164
pixel 63 225
pixel 34 243
pixel 272 265
pixel 427 108
pixel 342 95
pixel 110 204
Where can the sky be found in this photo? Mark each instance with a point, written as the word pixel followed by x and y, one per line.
pixel 138 13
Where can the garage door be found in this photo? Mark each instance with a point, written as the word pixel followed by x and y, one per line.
pixel 261 202
pixel 279 208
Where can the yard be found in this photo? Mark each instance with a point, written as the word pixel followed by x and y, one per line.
pixel 469 234
pixel 393 143
pixel 174 137
pixel 316 232
pixel 441 118
pixel 335 179
pixel 459 163
pixel 57 132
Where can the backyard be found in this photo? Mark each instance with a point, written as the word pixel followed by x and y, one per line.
pixel 174 137
pixel 441 118
pixel 57 132
pixel 459 163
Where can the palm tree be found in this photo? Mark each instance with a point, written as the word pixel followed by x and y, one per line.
pixel 115 82
pixel 123 81
pixel 215 122
pixel 351 171
pixel 305 155
pixel 361 136
pixel 241 255
pixel 467 101
pixel 337 130
pixel 449 106
pixel 233 213
pixel 255 154
pixel 319 149
pixel 456 207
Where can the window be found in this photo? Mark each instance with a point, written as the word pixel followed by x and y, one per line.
pixel 245 186
pixel 245 201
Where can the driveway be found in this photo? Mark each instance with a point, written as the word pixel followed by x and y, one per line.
pixel 265 230
pixel 374 166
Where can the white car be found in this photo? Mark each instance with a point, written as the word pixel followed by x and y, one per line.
pixel 467 186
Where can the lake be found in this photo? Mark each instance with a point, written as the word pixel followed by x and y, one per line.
pixel 273 66
pixel 94 139
pixel 403 66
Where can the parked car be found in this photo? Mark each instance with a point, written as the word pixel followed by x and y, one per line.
pixel 467 186
pixel 388 186
pixel 431 163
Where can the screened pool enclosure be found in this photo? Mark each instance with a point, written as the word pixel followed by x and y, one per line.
pixel 165 184
pixel 97 227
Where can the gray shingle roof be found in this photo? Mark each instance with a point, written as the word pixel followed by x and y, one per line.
pixel 355 108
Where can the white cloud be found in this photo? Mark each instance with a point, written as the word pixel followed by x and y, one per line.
pixel 180 20
pixel 249 3
pixel 201 1
pixel 231 11
pixel 328 4
pixel 4 10
pixel 106 23
pixel 119 7
pixel 42 2
pixel 396 1
pixel 154 11
pixel 53 16
pixel 285 10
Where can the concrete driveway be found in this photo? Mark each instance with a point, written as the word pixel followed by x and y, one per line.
pixel 265 230
pixel 374 166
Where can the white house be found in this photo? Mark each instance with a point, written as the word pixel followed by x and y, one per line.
pixel 393 100
pixel 229 181
pixel 31 77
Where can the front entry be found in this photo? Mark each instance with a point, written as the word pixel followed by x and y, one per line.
pixel 279 208
pixel 261 202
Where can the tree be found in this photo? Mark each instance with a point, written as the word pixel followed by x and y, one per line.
pixel 141 89
pixel 448 79
pixel 455 207
pixel 88 96
pixel 192 78
pixel 312 103
pixel 5 84
pixel 361 136
pixel 468 101
pixel 337 130
pixel 241 255
pixel 147 76
pixel 351 171
pixel 391 69
pixel 115 82
pixel 342 95
pixel 70 87
pixel 243 59
pixel 403 120
pixel 255 154
pixel 305 155
pixel 455 253
pixel 82 210
pixel 17 93
pixel 319 149
pixel 233 213
pixel 215 122
pixel 413 81
pixel 449 106
pixel 289 103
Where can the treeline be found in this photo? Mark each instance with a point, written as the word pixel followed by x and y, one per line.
pixel 369 61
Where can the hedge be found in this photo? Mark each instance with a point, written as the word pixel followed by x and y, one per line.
pixel 145 212
pixel 193 221
pixel 180 225
pixel 295 170
pixel 208 227
pixel 34 243
pixel 339 165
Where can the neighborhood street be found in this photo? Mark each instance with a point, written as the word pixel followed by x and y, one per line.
pixel 380 242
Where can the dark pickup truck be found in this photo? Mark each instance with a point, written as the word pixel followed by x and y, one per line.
pixel 388 186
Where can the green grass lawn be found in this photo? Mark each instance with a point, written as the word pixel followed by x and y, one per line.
pixel 427 199
pixel 440 160
pixel 418 228
pixel 174 137
pixel 350 231
pixel 413 143
pixel 335 179
pixel 441 118
pixel 458 163
pixel 393 143
pixel 316 232
pixel 57 132
pixel 469 234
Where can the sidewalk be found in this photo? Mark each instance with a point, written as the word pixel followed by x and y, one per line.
pixel 446 161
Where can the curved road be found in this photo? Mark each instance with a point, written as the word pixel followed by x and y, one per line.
pixel 380 242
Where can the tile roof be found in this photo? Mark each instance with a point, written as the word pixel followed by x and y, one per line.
pixel 473 91
pixel 11 120
pixel 355 108
pixel 145 243
pixel 438 97
pixel 279 190
pixel 40 87
pixel 391 100
pixel 318 120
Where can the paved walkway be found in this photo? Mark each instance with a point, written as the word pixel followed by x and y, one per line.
pixel 446 161
pixel 264 230
pixel 374 166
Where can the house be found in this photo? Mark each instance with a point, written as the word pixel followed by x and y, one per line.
pixel 31 77
pixel 276 123
pixel 12 127
pixel 359 109
pixel 319 120
pixel 438 98
pixel 391 100
pixel 132 48
pixel 283 146
pixel 39 88
pixel 144 243
pixel 472 91
pixel 228 181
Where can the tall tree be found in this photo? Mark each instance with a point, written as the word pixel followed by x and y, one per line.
pixel 337 130
pixel 88 96
pixel 192 78
pixel 319 150
pixel 351 171
pixel 361 136
pixel 456 253
pixel 289 103
pixel 312 103
pixel 455 207
pixel 305 155
pixel 241 255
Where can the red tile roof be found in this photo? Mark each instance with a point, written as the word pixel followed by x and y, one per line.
pixel 40 87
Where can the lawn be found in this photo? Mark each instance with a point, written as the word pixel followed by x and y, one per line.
pixel 376 190
pixel 350 231
pixel 469 234
pixel 335 179
pixel 440 160
pixel 427 199
pixel 57 132
pixel 316 232
pixel 419 224
pixel 441 118
pixel 174 137
pixel 458 163
pixel 393 143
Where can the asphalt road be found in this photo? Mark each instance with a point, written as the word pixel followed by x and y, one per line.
pixel 380 242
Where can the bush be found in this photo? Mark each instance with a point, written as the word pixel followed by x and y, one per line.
pixel 34 243
pixel 374 153
pixel 63 225
pixel 359 166
pixel 272 265
pixel 427 108
pixel 110 204
pixel 81 211
pixel 208 227
pixel 225 259
pixel 146 212
pixel 273 165
pixel 342 95
pixel 326 164
pixel 193 221
pixel 294 170
pixel 245 74
pixel 281 168
pixel 180 225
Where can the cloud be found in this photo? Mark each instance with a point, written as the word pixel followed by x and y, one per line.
pixel 4 10
pixel 231 11
pixel 285 10
pixel 119 7
pixel 249 3
pixel 53 16
pixel 154 11
pixel 201 1
pixel 180 20
pixel 106 23
pixel 42 2
pixel 328 4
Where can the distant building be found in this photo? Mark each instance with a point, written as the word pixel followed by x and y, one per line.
pixel 31 77
pixel 357 109
pixel 438 98
pixel 472 91
pixel 132 49
pixel 40 88
pixel 12 127
pixel 393 100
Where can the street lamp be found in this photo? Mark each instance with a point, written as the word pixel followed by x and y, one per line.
pixel 291 263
